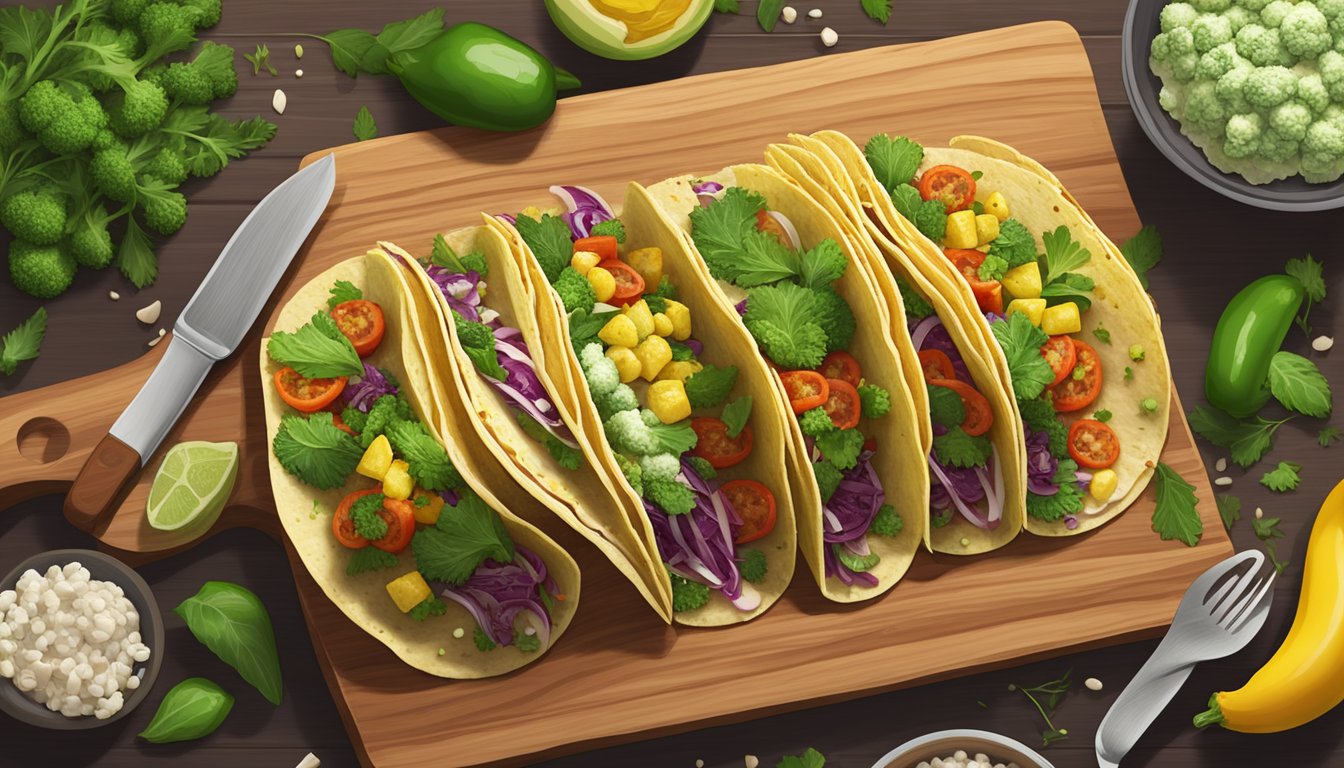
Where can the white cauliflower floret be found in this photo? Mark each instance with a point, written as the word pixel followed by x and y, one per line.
pixel 661 466
pixel 1239 17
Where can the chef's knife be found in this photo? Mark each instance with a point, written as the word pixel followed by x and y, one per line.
pixel 209 329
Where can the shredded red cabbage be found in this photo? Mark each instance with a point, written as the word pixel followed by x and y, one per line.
pixel 848 515
pixel 460 289
pixel 583 209
pixel 697 347
pixel 707 192
pixel 496 594
pixel 508 218
pixel 362 393
pixel 1041 465
pixel 741 307
pixel 699 545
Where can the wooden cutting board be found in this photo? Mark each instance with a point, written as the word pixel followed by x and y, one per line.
pixel 619 675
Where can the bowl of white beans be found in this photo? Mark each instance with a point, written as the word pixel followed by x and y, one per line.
pixel 81 640
pixel 962 748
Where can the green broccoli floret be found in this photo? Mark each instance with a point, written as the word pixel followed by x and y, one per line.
pixel 1275 12
pixel 1239 17
pixel 1277 148
pixel 1204 110
pixel 876 401
pixel 165 210
pixel 815 422
pixel 37 216
pixel 354 418
pixel 1323 151
pixel 630 469
pixel 113 173
pixel 167 27
pixel 385 412
pixel 44 271
pixel 687 595
pixel 1210 6
pixel 574 290
pixel 1219 61
pixel 64 119
pixel 167 165
pixel 703 468
pixel 671 496
pixel 622 398
pixel 1331 64
pixel 125 12
pixel 138 109
pixel 1231 89
pixel 187 84
pixel 91 244
pixel 12 132
pixel 752 565
pixel 216 61
pixel 1262 47
pixel 207 12
pixel 835 318
pixel 828 478
pixel 887 522
pixel 1305 31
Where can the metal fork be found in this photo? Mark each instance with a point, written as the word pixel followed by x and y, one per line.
pixel 1220 613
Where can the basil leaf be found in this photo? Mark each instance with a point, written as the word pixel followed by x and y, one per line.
pixel 231 621
pixel 194 708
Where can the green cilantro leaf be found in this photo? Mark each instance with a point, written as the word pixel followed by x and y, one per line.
pixel 1175 515
pixel 409 34
pixel 526 643
pixel 1309 272
pixel 135 255
pixel 314 450
pixel 1069 286
pixel 444 256
pixel 1021 342
pixel 1062 253
pixel 1103 335
pixel 687 595
pixel 1103 416
pixel 548 239
pixel 957 449
pixel 343 291
pixel 916 306
pixel 828 478
pixel 1015 245
pixel 720 228
pixel 1266 528
pixel 1248 440
pixel 430 606
pixel 368 559
pixel 365 513
pixel 614 227
pixel 809 759
pixel 1039 415
pixel 762 260
pixel 1129 373
pixel 565 455
pixel 702 467
pixel 993 268
pixel 318 349
pixel 928 216
pixel 584 327
pixel 1327 435
pixel 877 10
pixel 736 414
pixel 1297 383
pixel 783 320
pixel 365 128
pixel 752 566
pixel 1143 251
pixel 478 341
pixel 463 538
pixel 945 406
pixel 822 265
pixel 894 160
pixel 24 342
pixel 261 59
pixel 709 386
pixel 1229 508
pixel 1068 500
pixel 430 466
pixel 841 447
pixel 482 640
pixel 1282 478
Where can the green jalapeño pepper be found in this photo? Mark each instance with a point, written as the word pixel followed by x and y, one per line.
pixel 476 75
pixel 1250 331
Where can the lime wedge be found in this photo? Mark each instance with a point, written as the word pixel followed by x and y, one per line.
pixel 193 482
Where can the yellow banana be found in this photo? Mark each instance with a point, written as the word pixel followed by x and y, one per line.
pixel 1305 677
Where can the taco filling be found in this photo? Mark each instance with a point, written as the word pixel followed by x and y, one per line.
pixel 353 428
pixel 672 421
pixel 804 327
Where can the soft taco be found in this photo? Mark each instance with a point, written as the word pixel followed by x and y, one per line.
pixel 390 521
pixel 480 329
pixel 790 272
pixel 684 415
pixel 1081 340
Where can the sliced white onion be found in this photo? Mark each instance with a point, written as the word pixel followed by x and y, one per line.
pixel 788 229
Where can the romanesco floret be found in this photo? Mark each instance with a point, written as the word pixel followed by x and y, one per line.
pixel 1209 31
pixel 1268 87
pixel 44 271
pixel 1291 120
pixel 671 496
pixel 1243 135
pixel 1305 31
pixel 1175 15
pixel 622 398
pixel 37 216
pixel 660 466
pixel 138 109
pixel 1274 12
pixel 574 290
pixel 687 595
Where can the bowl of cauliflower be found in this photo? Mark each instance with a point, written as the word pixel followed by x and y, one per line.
pixel 1244 96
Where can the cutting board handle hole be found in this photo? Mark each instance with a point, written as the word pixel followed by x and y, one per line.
pixel 43 440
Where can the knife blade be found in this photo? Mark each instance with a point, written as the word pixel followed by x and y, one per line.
pixel 209 329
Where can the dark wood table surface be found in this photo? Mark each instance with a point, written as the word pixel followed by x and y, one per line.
pixel 1213 248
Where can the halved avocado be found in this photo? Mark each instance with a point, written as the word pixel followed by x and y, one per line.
pixel 629 29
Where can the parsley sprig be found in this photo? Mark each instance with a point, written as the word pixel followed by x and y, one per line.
pixel 1045 698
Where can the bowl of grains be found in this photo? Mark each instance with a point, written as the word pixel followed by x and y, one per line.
pixel 962 748
pixel 81 640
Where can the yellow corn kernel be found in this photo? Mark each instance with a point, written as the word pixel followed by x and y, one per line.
pixel 532 212
pixel 680 370
pixel 619 331
pixel 408 591
pixel 997 205
pixel 1034 309
pixel 397 483
pixel 662 324
pixel 648 262
pixel 961 230
pixel 680 315
pixel 986 228
pixel 582 261
pixel 426 505
pixel 627 365
pixel 654 353
pixel 1024 281
pixel 604 284
pixel 1061 318
pixel 668 401
pixel 376 459
pixel 641 316
pixel 1103 484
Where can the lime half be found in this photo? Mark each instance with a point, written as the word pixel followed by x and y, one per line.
pixel 194 481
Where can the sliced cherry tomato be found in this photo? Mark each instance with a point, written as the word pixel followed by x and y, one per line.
pixel 362 323
pixel 341 425
pixel 629 283
pixel 936 364
pixel 870 444
pixel 979 416
pixel 843 404
pixel 988 293
pixel 603 245
pixel 400 518
pixel 841 365
pixel 1082 386
pixel 771 226
pixel 307 395
pixel 1060 353
pixel 806 389
pixel 341 524
pixel 952 186
pixel 755 504
pixel 713 444
pixel 1093 444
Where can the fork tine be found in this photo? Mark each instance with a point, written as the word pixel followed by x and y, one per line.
pixel 1244 599
pixel 1258 603
pixel 1241 585
pixel 1215 598
pixel 1210 577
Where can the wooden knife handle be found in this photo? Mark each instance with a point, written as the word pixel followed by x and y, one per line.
pixel 101 484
